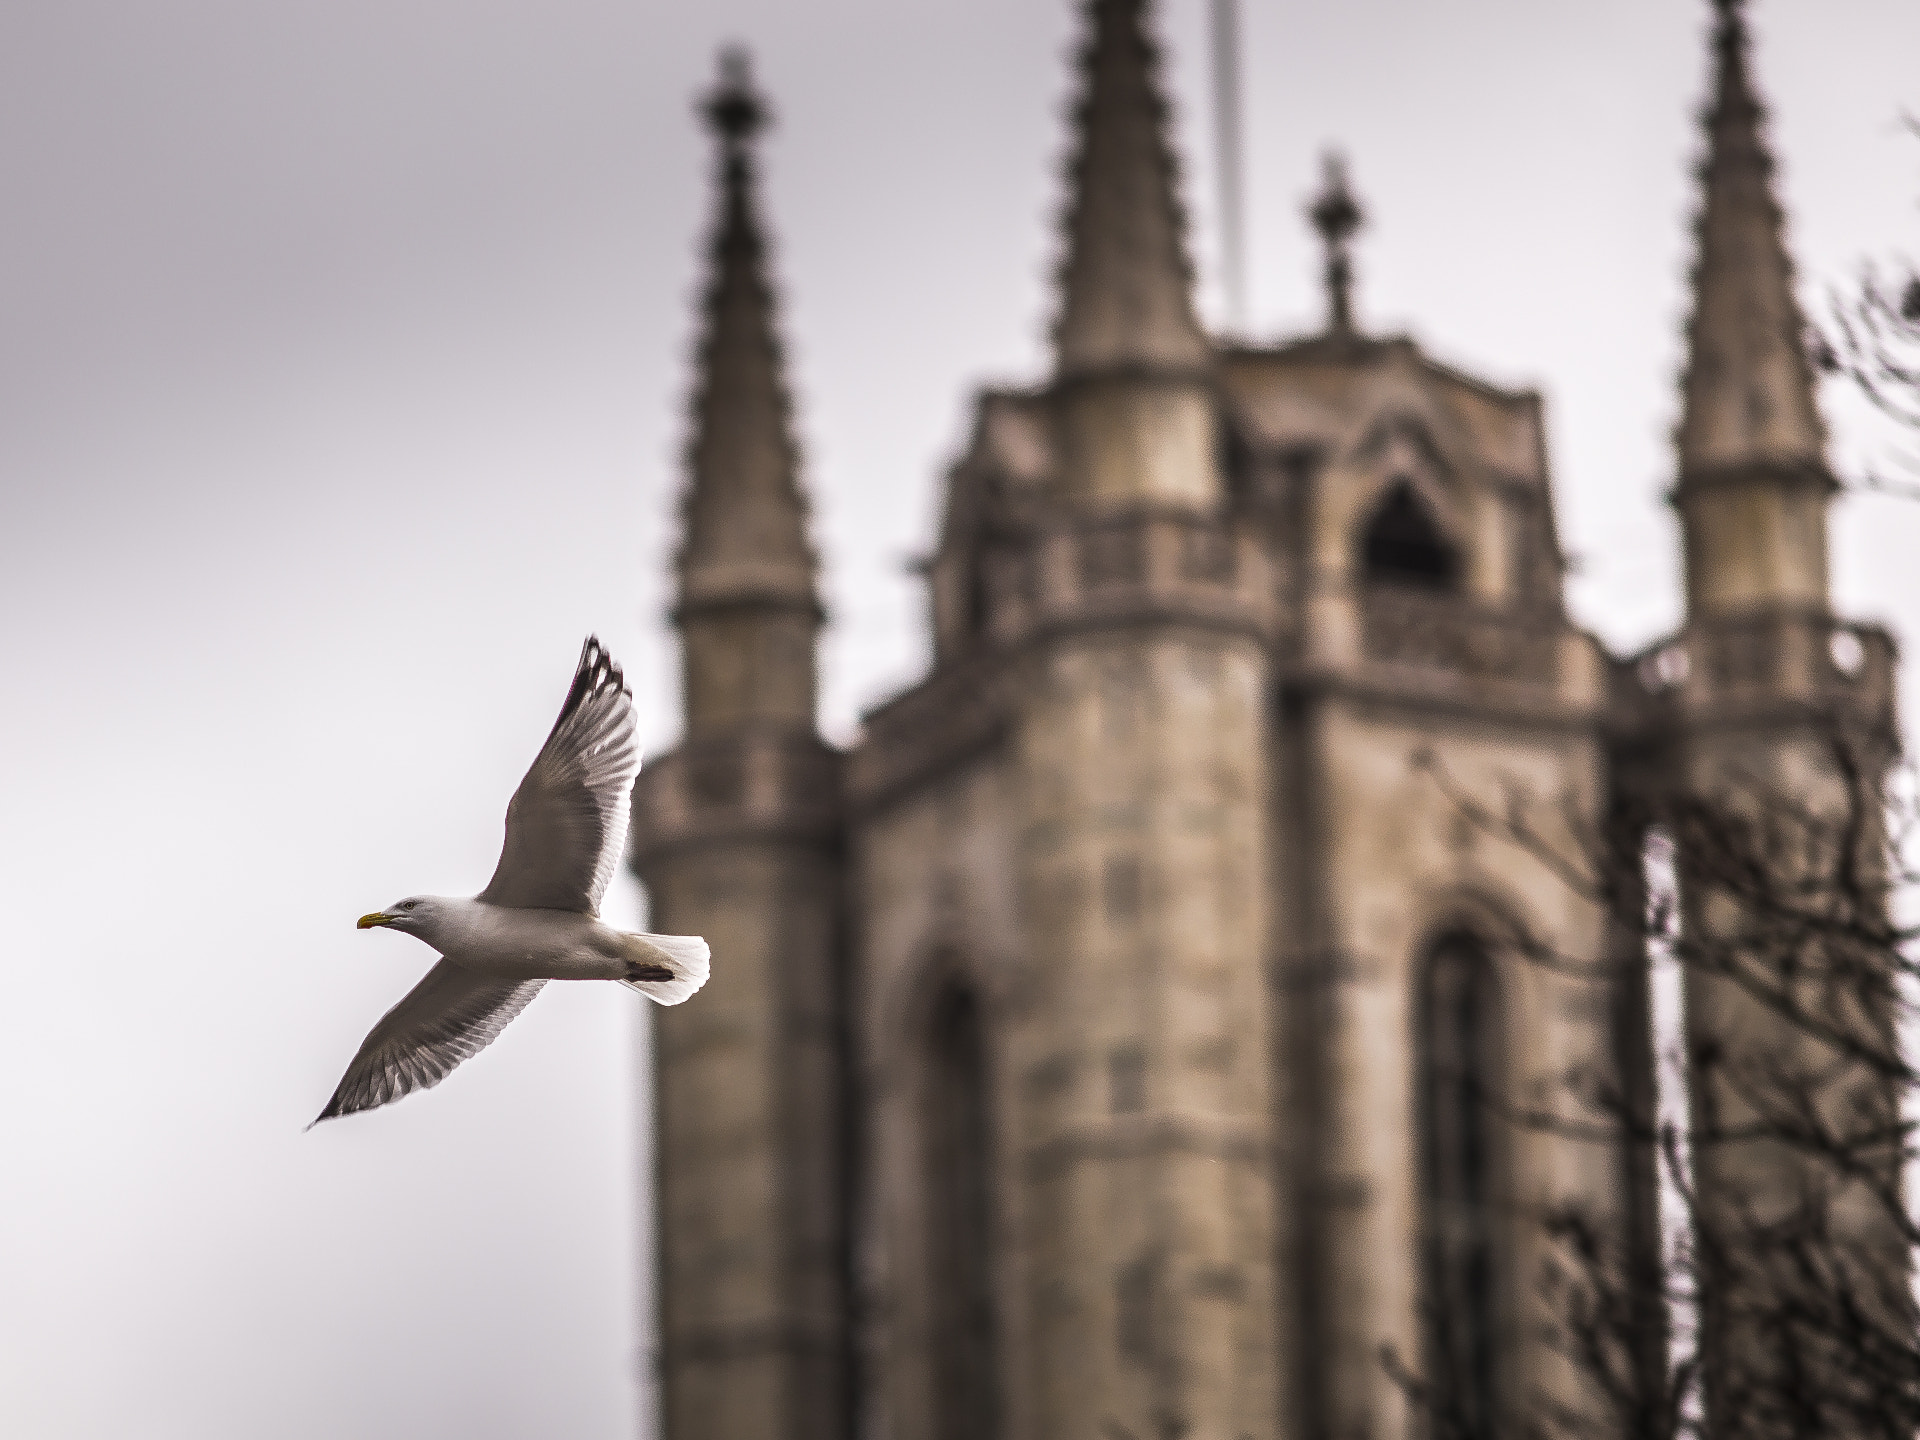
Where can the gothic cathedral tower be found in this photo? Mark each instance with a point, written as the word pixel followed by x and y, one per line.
pixel 1101 1048
pixel 1132 1043
pixel 738 839
pixel 1777 704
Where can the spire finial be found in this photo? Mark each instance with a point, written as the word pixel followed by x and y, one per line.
pixel 1733 95
pixel 1126 284
pixel 1337 216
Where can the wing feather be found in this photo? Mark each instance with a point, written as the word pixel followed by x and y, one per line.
pixel 567 823
pixel 450 1016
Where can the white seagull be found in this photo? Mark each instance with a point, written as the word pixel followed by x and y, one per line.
pixel 538 919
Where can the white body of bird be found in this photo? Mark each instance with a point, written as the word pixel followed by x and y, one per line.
pixel 515 944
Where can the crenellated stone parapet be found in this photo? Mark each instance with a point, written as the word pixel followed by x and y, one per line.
pixel 758 785
pixel 1452 637
pixel 1766 666
pixel 1445 653
pixel 1144 567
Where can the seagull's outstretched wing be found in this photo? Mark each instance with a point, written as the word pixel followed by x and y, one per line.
pixel 450 1015
pixel 567 823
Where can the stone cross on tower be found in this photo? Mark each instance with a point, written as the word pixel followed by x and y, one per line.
pixel 1337 216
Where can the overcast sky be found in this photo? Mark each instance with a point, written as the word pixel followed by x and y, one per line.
pixel 342 373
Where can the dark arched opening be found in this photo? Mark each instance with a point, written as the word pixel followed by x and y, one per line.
pixel 1402 544
pixel 1462 1069
pixel 959 1190
pixel 979 603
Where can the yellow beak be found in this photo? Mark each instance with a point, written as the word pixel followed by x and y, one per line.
pixel 369 922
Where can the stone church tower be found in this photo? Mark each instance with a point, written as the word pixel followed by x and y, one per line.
pixel 1094 1050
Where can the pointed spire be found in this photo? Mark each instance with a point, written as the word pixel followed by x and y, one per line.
pixel 1337 216
pixel 1748 388
pixel 1126 284
pixel 745 514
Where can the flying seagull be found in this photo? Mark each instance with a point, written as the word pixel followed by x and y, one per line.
pixel 538 919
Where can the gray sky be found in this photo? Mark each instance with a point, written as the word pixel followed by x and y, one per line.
pixel 342 365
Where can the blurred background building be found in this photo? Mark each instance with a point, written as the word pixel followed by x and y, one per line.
pixel 1101 1044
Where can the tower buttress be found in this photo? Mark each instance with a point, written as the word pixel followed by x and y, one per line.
pixel 1753 484
pixel 1141 749
pixel 1776 733
pixel 737 837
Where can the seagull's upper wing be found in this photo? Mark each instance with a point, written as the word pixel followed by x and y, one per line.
pixel 452 1014
pixel 567 823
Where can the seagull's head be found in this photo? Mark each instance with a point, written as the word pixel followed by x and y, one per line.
pixel 417 915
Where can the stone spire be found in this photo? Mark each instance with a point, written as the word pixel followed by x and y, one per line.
pixel 1753 483
pixel 1337 216
pixel 1126 283
pixel 748 607
pixel 1749 386
pixel 746 518
pixel 736 835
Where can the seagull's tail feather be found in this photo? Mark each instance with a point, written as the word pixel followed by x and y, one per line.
pixel 665 968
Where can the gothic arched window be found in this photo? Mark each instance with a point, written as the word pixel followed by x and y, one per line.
pixel 1461 1077
pixel 958 1150
pixel 979 604
pixel 1402 544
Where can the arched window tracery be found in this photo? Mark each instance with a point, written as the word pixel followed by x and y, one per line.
pixel 957 1158
pixel 1462 1065
pixel 1403 543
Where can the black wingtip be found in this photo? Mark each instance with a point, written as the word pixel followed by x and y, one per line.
pixel 596 673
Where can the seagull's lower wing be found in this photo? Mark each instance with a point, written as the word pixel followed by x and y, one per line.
pixel 452 1014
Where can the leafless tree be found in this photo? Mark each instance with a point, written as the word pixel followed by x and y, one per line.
pixel 1872 339
pixel 1753 1278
